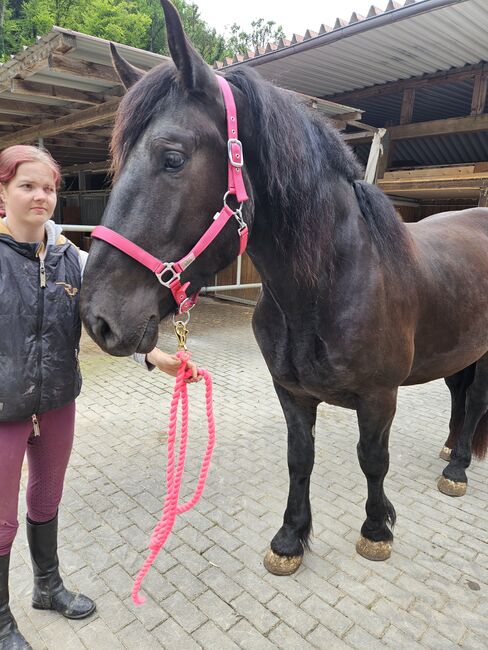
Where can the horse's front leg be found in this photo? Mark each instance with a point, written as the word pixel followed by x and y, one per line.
pixel 375 415
pixel 287 546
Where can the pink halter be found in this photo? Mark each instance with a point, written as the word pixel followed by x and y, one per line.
pixel 169 273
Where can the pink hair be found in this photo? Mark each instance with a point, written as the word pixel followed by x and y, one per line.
pixel 12 157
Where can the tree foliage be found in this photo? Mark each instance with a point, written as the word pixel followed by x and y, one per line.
pixel 261 33
pixel 139 23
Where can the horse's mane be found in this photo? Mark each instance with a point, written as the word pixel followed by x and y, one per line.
pixel 302 163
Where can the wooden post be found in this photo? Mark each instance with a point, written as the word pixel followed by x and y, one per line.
pixel 483 199
pixel 407 106
pixel 479 94
pixel 387 155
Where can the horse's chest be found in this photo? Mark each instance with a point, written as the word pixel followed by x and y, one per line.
pixel 299 360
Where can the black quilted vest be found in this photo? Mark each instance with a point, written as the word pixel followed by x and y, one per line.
pixel 39 328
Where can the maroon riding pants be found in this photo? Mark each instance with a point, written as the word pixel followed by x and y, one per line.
pixel 47 454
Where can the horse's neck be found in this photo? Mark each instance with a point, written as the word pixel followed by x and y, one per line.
pixel 338 258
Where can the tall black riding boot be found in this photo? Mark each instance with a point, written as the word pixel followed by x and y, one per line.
pixel 10 637
pixel 49 591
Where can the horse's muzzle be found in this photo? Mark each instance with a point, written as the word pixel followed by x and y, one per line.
pixel 113 341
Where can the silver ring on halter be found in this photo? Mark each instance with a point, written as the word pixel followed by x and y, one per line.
pixel 177 318
pixel 228 206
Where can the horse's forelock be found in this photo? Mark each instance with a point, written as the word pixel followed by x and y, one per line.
pixel 137 109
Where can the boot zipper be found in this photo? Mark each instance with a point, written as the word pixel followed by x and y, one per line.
pixel 35 425
pixel 42 274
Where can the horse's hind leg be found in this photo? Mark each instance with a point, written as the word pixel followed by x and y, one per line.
pixel 287 546
pixel 473 435
pixel 458 384
pixel 375 415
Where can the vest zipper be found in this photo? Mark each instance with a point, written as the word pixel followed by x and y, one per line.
pixel 35 425
pixel 42 274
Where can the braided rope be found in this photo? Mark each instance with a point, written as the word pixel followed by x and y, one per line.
pixel 174 475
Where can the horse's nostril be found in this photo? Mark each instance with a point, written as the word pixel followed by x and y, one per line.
pixel 104 330
pixel 100 329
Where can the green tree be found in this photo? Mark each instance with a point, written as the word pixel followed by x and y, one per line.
pixel 261 33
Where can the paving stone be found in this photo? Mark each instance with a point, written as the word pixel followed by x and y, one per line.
pixel 248 638
pixel 255 613
pixel 184 613
pixel 171 635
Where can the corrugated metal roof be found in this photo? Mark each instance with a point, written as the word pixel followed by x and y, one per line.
pixel 452 149
pixel 399 43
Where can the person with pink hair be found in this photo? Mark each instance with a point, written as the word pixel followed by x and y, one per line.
pixel 40 278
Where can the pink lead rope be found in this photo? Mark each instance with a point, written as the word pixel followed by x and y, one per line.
pixel 174 475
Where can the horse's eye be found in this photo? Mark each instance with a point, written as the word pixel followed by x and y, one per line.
pixel 173 160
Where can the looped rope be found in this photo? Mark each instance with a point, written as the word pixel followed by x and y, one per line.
pixel 174 476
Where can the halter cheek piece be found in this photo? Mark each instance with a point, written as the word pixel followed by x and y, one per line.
pixel 169 273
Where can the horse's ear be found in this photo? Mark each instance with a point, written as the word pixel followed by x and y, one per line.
pixel 128 74
pixel 193 70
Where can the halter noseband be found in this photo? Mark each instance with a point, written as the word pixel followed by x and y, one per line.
pixel 169 273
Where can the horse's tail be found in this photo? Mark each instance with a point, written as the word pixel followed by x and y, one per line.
pixel 459 385
pixel 480 440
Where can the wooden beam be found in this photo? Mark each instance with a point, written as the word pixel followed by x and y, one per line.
pixel 15 107
pixel 436 185
pixel 362 137
pixel 407 106
pixel 456 74
pixel 469 124
pixel 15 119
pixel 80 68
pixel 35 57
pixel 103 165
pixel 32 88
pixel 71 122
pixel 478 100
pixel 75 142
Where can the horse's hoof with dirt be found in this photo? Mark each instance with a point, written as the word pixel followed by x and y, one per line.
pixel 376 551
pixel 281 565
pixel 445 453
pixel 451 488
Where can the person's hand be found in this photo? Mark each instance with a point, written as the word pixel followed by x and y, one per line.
pixel 169 363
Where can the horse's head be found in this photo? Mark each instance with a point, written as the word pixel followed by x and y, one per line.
pixel 170 160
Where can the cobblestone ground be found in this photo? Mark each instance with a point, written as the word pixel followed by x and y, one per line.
pixel 208 588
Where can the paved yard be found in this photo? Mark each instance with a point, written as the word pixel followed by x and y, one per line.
pixel 208 588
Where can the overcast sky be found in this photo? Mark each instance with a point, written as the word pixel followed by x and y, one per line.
pixel 293 16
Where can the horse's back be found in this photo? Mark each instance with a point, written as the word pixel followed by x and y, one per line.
pixel 471 219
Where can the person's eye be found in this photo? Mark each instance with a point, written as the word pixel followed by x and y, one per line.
pixel 174 160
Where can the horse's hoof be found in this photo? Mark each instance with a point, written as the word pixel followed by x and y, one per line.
pixel 445 453
pixel 451 488
pixel 376 551
pixel 281 565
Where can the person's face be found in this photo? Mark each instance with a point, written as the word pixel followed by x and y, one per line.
pixel 30 196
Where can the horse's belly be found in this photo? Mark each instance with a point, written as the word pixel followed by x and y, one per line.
pixel 426 369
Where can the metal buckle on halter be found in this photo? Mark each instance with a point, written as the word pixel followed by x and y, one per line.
pixel 230 142
pixel 168 268
pixel 240 220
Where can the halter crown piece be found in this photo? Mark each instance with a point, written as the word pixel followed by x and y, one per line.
pixel 169 273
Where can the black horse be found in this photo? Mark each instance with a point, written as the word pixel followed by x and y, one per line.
pixel 354 303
